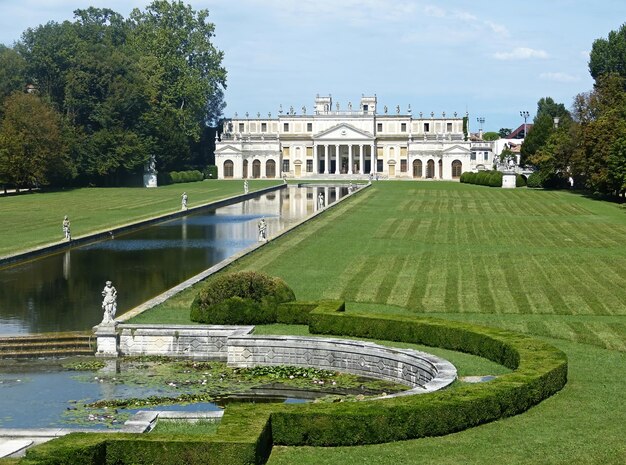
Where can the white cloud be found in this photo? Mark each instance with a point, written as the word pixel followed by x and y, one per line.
pixel 559 77
pixel 520 53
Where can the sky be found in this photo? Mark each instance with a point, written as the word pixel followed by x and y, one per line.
pixel 490 59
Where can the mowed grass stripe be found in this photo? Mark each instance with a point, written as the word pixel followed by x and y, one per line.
pixel 404 284
pixel 418 290
pixel 545 286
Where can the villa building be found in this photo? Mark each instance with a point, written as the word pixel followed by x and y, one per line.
pixel 345 143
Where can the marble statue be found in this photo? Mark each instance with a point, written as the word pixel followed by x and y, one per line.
pixel 66 228
pixel 262 230
pixel 184 201
pixel 109 303
pixel 245 186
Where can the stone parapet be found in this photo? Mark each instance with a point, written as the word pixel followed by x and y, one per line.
pixel 421 371
pixel 200 342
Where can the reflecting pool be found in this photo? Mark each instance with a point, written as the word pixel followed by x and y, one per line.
pixel 62 291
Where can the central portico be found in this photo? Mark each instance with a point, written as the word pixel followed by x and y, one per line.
pixel 350 142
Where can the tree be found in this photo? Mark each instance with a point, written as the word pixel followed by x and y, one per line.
pixel 491 136
pixel 187 77
pixel 543 126
pixel 609 55
pixel 12 72
pixel 32 150
pixel 599 158
pixel 504 132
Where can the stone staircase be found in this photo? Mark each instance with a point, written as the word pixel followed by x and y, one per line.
pixel 47 345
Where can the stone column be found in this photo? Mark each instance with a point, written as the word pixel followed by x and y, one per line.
pixel 361 160
pixel 350 160
pixel 326 160
pixel 372 158
pixel 337 160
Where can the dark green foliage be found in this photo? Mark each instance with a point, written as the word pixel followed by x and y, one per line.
pixel 240 298
pixel 483 178
pixel 294 313
pixel 520 181
pixel 547 180
pixel 491 136
pixel 175 177
pixel 210 172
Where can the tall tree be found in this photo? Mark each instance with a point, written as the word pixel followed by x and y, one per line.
pixel 543 126
pixel 187 76
pixel 609 55
pixel 12 72
pixel 32 148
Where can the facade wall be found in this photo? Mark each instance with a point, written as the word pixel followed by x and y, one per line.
pixel 353 142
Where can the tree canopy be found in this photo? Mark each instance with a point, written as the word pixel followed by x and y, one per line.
pixel 123 89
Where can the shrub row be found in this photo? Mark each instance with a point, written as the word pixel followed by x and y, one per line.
pixel 247 432
pixel 175 177
pixel 483 178
pixel 520 181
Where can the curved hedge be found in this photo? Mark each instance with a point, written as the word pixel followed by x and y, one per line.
pixel 247 432
pixel 240 298
pixel 540 370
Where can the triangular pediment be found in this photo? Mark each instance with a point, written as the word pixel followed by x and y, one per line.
pixel 343 131
pixel 228 149
pixel 456 149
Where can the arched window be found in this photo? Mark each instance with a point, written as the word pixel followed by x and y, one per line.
pixel 417 169
pixel 457 168
pixel 430 169
pixel 245 169
pixel 256 169
pixel 270 169
pixel 229 168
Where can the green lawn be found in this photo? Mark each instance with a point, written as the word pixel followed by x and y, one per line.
pixel 34 219
pixel 550 264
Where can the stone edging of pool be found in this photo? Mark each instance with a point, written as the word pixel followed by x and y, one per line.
pixel 106 234
pixel 420 371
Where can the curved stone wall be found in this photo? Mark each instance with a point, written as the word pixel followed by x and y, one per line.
pixel 421 371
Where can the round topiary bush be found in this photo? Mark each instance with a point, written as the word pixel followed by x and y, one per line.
pixel 247 297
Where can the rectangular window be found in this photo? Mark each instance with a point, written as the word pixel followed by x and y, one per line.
pixel 240 127
pixel 449 127
pixel 379 127
pixel 263 127
pixel 402 127
pixel 403 166
pixel 309 127
pixel 286 127
pixel 309 151
pixel 379 166
pixel 426 127
pixel 365 108
pixel 285 166
pixel 486 156
pixel 286 152
pixel 473 156
pixel 309 166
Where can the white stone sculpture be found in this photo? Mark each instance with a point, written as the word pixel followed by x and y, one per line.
pixel 66 228
pixel 109 303
pixel 320 201
pixel 184 201
pixel 245 186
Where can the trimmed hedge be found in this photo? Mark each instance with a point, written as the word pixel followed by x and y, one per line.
pixel 540 371
pixel 247 432
pixel 483 178
pixel 175 177
pixel 241 298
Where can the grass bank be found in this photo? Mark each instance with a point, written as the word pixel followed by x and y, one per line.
pixel 547 263
pixel 34 219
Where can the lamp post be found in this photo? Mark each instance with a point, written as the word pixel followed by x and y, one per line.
pixel 525 115
pixel 481 121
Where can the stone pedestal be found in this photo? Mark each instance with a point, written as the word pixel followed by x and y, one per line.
pixel 106 340
pixel 508 180
pixel 150 180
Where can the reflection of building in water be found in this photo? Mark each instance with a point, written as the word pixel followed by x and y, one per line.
pixel 280 208
pixel 349 143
